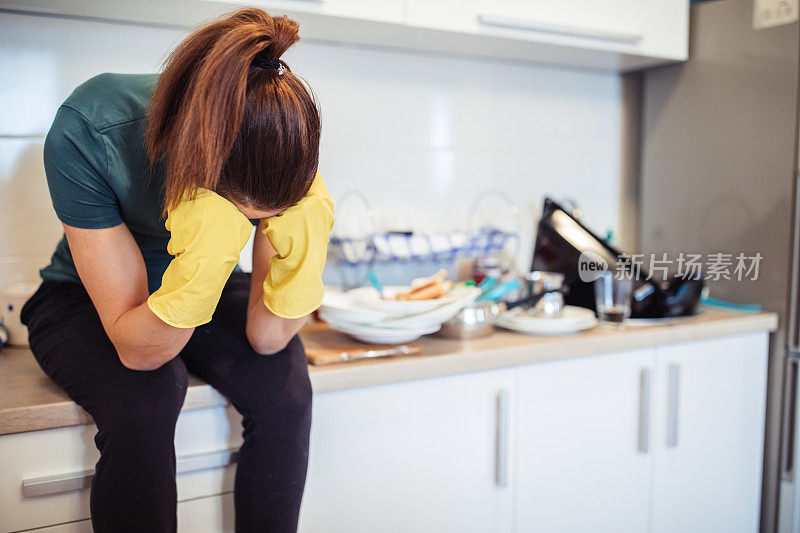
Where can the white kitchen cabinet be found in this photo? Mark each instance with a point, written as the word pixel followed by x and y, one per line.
pixel 583 444
pixel 611 35
pixel 212 514
pixel 375 10
pixel 421 456
pixel 60 461
pixel 429 455
pixel 655 440
pixel 654 28
pixel 82 526
pixel 709 405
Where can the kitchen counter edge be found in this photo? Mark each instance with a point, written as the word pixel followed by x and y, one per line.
pixel 441 357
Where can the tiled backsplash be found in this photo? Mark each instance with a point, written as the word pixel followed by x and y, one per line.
pixel 421 136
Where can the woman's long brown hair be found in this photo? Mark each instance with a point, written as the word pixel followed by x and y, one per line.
pixel 248 133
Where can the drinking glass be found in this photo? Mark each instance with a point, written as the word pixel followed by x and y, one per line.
pixel 613 299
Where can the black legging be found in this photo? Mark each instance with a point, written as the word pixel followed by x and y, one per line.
pixel 135 411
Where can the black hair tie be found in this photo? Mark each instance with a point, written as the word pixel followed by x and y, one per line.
pixel 262 62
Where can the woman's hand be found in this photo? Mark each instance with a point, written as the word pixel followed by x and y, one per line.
pixel 288 258
pixel 293 283
pixel 207 236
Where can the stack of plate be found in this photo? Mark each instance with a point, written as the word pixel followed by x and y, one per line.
pixel 571 320
pixel 366 316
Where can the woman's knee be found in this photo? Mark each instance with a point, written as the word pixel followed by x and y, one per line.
pixel 147 404
pixel 281 389
pixel 296 394
pixel 291 402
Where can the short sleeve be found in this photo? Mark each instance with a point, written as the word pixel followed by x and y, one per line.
pixel 76 166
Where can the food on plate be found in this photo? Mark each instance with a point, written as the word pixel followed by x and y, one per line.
pixel 431 291
pixel 430 288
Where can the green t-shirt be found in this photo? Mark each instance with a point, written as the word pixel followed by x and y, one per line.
pixel 99 174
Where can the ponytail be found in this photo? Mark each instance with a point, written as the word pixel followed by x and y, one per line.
pixel 224 123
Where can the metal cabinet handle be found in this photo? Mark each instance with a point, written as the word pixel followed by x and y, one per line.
pixel 558 29
pixel 673 403
pixel 60 483
pixel 501 439
pixel 644 410
pixel 788 414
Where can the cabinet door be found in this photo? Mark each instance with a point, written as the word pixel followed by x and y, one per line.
pixel 59 461
pixel 83 526
pixel 656 28
pixel 420 456
pixel 584 452
pixel 709 436
pixel 378 10
pixel 212 514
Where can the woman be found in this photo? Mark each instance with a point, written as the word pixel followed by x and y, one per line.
pixel 158 181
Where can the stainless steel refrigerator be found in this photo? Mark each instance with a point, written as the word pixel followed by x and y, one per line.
pixel 718 173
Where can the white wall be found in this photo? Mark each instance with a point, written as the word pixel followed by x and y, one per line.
pixel 421 136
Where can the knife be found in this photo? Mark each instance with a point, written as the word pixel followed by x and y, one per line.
pixel 323 357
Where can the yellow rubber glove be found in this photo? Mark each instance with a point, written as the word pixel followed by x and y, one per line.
pixel 293 286
pixel 207 237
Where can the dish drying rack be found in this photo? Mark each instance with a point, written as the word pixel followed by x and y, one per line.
pixel 414 254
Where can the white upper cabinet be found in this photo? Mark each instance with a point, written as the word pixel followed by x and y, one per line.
pixel 376 10
pixel 650 28
pixel 611 35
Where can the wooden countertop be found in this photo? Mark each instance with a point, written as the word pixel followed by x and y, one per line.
pixel 30 401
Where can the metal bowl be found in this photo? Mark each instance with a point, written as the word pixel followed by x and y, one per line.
pixel 475 320
pixel 545 291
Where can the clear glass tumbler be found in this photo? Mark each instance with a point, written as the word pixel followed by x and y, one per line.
pixel 613 299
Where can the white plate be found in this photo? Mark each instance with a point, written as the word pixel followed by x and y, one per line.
pixel 439 315
pixel 339 306
pixel 572 320
pixel 376 335
pixel 353 315
pixel 369 297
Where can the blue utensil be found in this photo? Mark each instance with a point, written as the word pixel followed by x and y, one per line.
pixel 495 293
pixel 722 304
pixel 486 285
pixel 488 281
pixel 373 279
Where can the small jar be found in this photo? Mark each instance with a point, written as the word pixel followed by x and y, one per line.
pixel 487 266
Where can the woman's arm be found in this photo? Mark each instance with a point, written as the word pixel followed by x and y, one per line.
pixel 111 268
pixel 267 332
